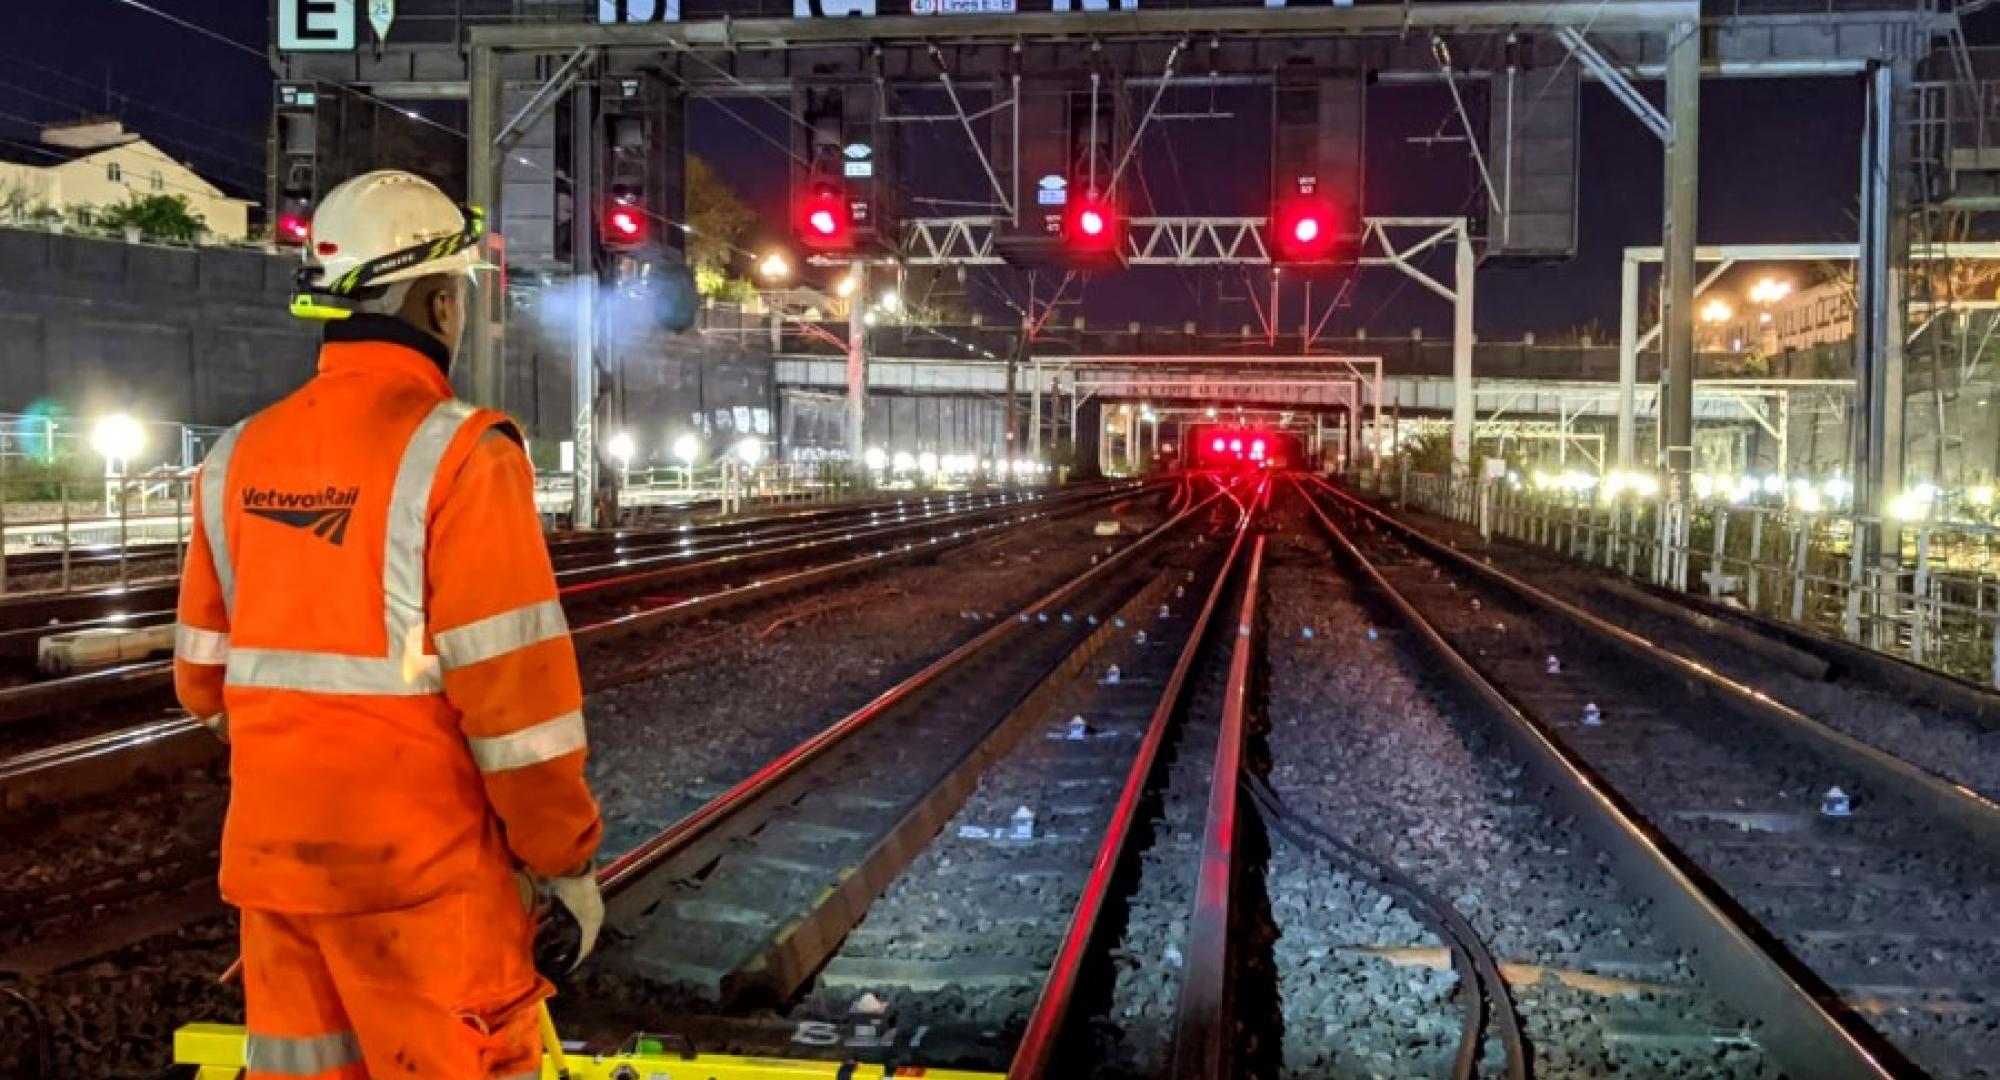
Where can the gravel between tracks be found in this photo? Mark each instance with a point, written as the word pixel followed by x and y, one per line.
pixel 1946 744
pixel 731 695
pixel 1362 745
pixel 1889 907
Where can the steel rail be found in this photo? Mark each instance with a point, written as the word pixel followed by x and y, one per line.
pixel 79 768
pixel 1975 814
pixel 617 549
pixel 35 700
pixel 35 609
pixel 621 877
pixel 1723 945
pixel 1203 1037
pixel 1034 1055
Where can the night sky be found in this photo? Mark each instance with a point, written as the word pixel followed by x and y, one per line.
pixel 1779 163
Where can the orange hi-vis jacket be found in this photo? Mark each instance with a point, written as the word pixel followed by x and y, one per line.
pixel 369 604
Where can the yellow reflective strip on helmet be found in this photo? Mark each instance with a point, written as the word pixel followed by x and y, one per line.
pixel 306 306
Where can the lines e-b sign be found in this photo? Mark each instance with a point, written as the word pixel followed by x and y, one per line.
pixel 315 25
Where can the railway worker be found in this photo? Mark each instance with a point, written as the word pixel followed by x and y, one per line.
pixel 369 616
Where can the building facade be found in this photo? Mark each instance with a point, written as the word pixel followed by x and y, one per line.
pixel 79 180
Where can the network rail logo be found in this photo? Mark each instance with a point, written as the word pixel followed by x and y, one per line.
pixel 325 512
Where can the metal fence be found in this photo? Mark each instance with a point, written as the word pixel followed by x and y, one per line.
pixel 58 535
pixel 725 488
pixel 1931 595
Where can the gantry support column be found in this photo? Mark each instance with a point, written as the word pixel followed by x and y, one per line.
pixel 479 379
pixel 1035 407
pixel 1628 359
pixel 857 368
pixel 583 339
pixel 1678 241
pixel 1462 412
pixel 1879 284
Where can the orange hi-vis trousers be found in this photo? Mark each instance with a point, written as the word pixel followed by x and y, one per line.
pixel 444 990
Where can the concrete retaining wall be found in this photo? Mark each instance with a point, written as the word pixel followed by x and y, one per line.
pixel 197 335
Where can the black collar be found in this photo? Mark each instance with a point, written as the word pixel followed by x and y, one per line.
pixel 387 328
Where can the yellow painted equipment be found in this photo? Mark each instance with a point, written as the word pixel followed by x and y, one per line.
pixel 216 1052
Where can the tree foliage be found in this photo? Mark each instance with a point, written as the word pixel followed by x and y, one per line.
pixel 719 220
pixel 167 218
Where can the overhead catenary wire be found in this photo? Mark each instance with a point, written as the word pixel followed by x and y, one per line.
pixel 131 101
pixel 224 39
pixel 149 137
pixel 204 31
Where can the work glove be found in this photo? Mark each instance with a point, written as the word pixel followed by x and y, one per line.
pixel 579 896
pixel 562 942
pixel 217 725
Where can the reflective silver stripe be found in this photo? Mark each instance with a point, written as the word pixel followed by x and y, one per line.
pixel 498 635
pixel 545 741
pixel 409 521
pixel 326 673
pixel 307 1055
pixel 198 646
pixel 404 671
pixel 214 480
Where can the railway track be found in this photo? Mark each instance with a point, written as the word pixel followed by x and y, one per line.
pixel 141 738
pixel 1864 943
pixel 650 572
pixel 775 891
pixel 27 617
pixel 960 877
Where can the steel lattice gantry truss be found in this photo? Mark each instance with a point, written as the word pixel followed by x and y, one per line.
pixel 1141 43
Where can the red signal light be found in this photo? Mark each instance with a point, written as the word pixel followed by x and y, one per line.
pixel 823 220
pixel 1091 227
pixel 1303 231
pixel 624 225
pixel 293 229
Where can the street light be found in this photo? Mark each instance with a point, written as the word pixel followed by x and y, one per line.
pixel 686 449
pixel 118 438
pixel 1769 291
pixel 750 451
pixel 845 287
pixel 621 447
pixel 890 302
pixel 1716 312
pixel 775 268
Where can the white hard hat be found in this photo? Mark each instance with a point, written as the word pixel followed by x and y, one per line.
pixel 383 227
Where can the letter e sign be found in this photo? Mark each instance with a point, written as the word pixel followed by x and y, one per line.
pixel 315 25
